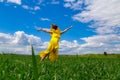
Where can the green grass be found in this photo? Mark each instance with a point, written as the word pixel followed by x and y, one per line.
pixel 83 67
pixel 35 70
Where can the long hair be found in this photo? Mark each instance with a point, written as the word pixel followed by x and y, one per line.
pixel 55 28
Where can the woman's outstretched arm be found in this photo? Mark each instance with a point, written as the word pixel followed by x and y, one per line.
pixel 44 30
pixel 66 29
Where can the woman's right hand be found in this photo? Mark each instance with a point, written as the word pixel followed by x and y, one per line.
pixel 71 26
pixel 39 29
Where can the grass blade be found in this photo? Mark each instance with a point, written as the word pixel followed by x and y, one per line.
pixel 35 70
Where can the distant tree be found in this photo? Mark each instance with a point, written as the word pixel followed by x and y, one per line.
pixel 105 53
pixel 77 54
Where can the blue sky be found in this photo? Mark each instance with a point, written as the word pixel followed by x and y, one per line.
pixel 96 25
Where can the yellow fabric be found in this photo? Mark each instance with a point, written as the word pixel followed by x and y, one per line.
pixel 53 46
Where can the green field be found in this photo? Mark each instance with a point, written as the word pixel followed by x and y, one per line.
pixel 82 67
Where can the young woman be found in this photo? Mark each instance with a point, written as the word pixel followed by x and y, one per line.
pixel 52 50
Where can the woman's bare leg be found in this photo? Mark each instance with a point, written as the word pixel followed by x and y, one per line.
pixel 42 59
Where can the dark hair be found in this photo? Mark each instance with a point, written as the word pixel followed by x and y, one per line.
pixel 54 26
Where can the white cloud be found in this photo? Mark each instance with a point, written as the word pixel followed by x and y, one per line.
pixel 55 2
pixel 93 44
pixel 18 43
pixel 21 38
pixel 67 47
pixel 67 5
pixel 26 7
pixel 45 19
pixel 36 8
pixel 104 13
pixel 5 38
pixel 75 5
pixel 52 2
pixel 102 38
pixel 40 1
pixel 31 8
pixel 14 1
pixel 104 16
pixel 101 43
pixel 1 0
pixel 69 0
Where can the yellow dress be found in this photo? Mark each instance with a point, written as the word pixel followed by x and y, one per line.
pixel 53 46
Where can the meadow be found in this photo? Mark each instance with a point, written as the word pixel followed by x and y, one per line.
pixel 78 67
